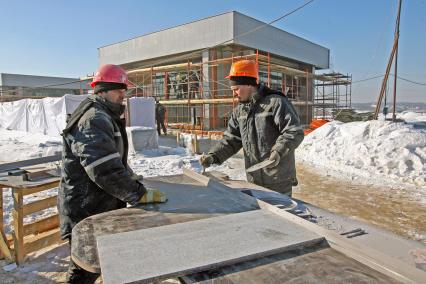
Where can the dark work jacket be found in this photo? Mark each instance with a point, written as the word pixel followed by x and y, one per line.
pixel 95 176
pixel 160 112
pixel 268 122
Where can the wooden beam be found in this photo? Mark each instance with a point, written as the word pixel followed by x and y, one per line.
pixel 31 190
pixel 18 225
pixel 36 161
pixel 4 247
pixel 42 240
pixel 39 205
pixel 214 101
pixel 42 225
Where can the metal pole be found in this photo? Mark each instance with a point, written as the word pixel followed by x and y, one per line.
pixel 269 70
pixel 385 79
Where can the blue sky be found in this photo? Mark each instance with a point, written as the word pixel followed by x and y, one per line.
pixel 60 38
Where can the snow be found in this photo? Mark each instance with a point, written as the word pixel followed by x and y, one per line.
pixel 412 117
pixel 20 145
pixel 376 151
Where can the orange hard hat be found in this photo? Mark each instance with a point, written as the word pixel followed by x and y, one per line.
pixel 110 73
pixel 245 68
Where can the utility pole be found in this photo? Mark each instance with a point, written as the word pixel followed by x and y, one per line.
pixel 396 63
pixel 385 79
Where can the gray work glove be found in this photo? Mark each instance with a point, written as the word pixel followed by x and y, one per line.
pixel 206 160
pixel 135 176
pixel 275 156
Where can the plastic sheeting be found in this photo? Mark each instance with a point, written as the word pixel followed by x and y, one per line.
pixel 48 116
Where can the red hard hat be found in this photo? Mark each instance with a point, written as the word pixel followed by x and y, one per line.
pixel 110 73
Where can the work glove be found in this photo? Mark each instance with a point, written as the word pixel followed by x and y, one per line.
pixel 135 176
pixel 275 156
pixel 206 160
pixel 153 196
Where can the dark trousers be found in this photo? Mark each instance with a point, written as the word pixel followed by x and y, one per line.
pixel 160 125
pixel 281 188
pixel 76 274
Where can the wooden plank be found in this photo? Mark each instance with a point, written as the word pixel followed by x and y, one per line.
pixel 36 161
pixel 4 247
pixel 368 256
pixel 18 225
pixel 42 225
pixel 3 242
pixel 1 210
pixel 18 182
pixel 40 174
pixel 39 205
pixel 32 190
pixel 179 249
pixel 42 240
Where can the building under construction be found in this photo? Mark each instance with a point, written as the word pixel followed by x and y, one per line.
pixel 185 67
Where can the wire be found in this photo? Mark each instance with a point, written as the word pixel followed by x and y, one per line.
pixel 390 74
pixel 367 79
pixel 198 51
pixel 410 81
pixel 187 56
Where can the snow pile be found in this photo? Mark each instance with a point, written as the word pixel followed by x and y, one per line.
pixel 412 117
pixel 21 145
pixel 373 150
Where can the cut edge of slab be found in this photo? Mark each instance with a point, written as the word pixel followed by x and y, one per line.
pixel 204 180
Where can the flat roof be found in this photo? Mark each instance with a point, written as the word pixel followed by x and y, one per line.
pixel 21 80
pixel 230 27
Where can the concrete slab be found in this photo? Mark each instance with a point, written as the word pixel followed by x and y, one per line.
pixel 186 195
pixel 168 251
pixel 142 138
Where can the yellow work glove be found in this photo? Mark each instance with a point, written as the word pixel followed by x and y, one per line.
pixel 206 160
pixel 153 196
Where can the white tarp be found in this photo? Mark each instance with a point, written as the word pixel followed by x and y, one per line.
pixel 48 116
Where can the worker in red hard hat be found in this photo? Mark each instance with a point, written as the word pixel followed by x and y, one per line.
pixel 265 125
pixel 95 176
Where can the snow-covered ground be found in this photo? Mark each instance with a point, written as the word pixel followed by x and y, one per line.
pixel 166 160
pixel 412 117
pixel 20 145
pixel 376 151
pixel 372 152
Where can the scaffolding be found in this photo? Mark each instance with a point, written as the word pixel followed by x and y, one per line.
pixel 198 97
pixel 333 93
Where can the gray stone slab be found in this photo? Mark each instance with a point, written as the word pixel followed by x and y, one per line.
pixel 187 197
pixel 142 138
pixel 158 253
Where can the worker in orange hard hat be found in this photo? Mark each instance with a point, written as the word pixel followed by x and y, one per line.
pixel 96 177
pixel 266 125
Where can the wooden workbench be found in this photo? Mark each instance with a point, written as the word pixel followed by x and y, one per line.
pixel 21 188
